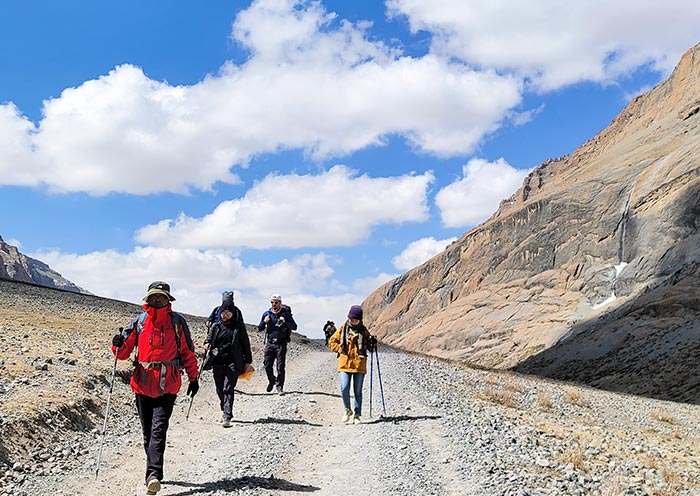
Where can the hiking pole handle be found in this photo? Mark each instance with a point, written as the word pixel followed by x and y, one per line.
pixel 104 424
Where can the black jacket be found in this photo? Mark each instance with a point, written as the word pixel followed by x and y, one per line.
pixel 232 342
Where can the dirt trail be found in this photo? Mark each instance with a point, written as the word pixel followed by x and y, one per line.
pixel 289 444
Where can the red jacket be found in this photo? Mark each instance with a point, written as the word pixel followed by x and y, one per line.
pixel 157 372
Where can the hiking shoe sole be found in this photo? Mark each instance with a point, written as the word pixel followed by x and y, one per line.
pixel 270 385
pixel 153 486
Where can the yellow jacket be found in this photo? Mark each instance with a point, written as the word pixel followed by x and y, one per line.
pixel 352 361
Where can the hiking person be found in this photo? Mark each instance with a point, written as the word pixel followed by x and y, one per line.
pixel 352 341
pixel 228 341
pixel 278 324
pixel 226 299
pixel 328 330
pixel 163 344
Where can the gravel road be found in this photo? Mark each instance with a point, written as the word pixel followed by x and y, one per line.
pixel 446 431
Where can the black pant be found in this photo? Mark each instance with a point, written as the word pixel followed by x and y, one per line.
pixel 275 352
pixel 225 378
pixel 155 417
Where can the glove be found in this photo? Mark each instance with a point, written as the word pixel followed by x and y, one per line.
pixel 193 388
pixel 118 340
pixel 372 343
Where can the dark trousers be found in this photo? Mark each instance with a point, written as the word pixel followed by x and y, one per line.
pixel 155 417
pixel 225 379
pixel 275 352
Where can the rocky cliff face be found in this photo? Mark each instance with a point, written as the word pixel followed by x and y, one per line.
pixel 589 272
pixel 18 267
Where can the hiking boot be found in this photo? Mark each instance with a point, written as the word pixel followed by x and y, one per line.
pixel 356 419
pixel 226 423
pixel 152 486
pixel 347 416
pixel 270 385
pixel 279 390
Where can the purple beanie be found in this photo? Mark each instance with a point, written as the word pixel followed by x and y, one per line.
pixel 355 312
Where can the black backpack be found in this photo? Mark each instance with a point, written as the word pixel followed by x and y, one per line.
pixel 329 329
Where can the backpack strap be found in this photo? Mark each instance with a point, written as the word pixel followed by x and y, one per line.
pixel 139 328
pixel 344 338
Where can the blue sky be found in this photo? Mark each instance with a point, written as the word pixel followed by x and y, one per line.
pixel 314 149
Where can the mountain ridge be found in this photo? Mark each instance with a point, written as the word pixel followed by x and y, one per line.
pixel 585 237
pixel 16 266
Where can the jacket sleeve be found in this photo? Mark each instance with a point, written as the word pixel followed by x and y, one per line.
pixel 334 340
pixel 213 315
pixel 210 334
pixel 245 344
pixel 189 359
pixel 262 324
pixel 129 333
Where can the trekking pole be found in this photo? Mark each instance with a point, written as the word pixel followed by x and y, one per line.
pixel 109 400
pixel 187 417
pixel 379 373
pixel 371 373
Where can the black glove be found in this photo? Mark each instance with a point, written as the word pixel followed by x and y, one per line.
pixel 193 388
pixel 372 343
pixel 118 340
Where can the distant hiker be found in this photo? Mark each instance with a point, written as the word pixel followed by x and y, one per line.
pixel 352 341
pixel 226 299
pixel 163 345
pixel 230 346
pixel 278 324
pixel 328 330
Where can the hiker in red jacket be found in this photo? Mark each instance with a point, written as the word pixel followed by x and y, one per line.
pixel 163 345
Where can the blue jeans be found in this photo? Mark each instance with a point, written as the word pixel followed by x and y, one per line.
pixel 357 379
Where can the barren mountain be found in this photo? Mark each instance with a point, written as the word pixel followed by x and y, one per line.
pixel 589 272
pixel 18 267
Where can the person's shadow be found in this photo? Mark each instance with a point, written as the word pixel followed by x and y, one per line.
pixel 312 393
pixel 400 418
pixel 235 485
pixel 273 420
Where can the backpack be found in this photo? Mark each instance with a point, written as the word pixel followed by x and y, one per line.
pixel 329 329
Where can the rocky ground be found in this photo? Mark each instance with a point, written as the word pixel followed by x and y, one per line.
pixel 446 430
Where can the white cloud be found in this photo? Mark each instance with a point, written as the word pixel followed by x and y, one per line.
pixel 17 166
pixel 198 277
pixel 335 208
pixel 557 43
pixel 472 199
pixel 367 285
pixel 310 84
pixel 14 242
pixel 419 251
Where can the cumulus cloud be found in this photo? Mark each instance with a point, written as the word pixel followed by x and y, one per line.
pixel 557 43
pixel 419 251
pixel 17 165
pixel 312 82
pixel 367 285
pixel 335 208
pixel 198 277
pixel 472 199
